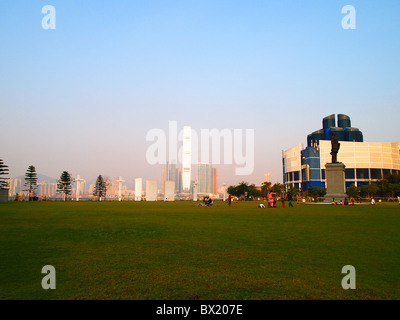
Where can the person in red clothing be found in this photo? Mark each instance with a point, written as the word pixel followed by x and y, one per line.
pixel 283 201
pixel 229 200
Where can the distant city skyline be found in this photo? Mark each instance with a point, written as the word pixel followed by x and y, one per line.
pixel 82 97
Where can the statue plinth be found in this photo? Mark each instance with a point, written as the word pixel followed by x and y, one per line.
pixel 335 182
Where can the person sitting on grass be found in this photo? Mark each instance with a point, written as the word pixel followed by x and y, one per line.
pixel 208 201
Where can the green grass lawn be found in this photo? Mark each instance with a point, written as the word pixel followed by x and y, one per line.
pixel 175 250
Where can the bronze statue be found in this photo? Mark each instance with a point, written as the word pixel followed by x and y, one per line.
pixel 335 147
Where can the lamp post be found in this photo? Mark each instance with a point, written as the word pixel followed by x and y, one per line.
pixel 120 188
pixel 195 191
pixel 224 185
pixel 78 186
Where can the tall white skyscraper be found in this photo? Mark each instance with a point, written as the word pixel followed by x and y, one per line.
pixel 138 189
pixel 186 159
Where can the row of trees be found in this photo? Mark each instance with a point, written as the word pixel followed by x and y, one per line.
pixel 316 192
pixel 64 184
pixel 30 179
pixel 100 191
pixel 249 191
pixel 389 187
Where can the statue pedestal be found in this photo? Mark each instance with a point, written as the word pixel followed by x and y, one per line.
pixel 335 182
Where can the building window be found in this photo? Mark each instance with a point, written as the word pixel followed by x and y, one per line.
pixel 386 172
pixel 349 173
pixel 323 174
pixel 362 174
pixel 376 174
pixel 297 175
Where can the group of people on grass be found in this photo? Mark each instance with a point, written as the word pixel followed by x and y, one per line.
pixel 207 202
pixel 272 200
pixel 343 203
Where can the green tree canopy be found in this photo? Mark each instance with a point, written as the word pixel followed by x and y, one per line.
pixel 31 181
pixel 292 190
pixel 100 188
pixel 64 184
pixel 243 189
pixel 265 189
pixel 316 191
pixel 352 191
pixel 3 171
pixel 278 188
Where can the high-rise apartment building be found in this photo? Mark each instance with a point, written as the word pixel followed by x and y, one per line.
pixel 214 181
pixel 204 178
pixel 169 172
pixel 138 189
pixel 186 159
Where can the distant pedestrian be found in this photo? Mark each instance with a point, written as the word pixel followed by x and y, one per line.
pixel 283 201
pixel 229 200
pixel 290 198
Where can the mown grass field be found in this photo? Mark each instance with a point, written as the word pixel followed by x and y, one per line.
pixel 175 250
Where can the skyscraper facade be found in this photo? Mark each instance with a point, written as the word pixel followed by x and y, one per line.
pixel 214 180
pixel 178 181
pixel 186 159
pixel 204 178
pixel 169 172
pixel 138 189
pixel 151 190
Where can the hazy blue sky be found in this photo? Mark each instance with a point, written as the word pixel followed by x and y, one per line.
pixel 82 97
